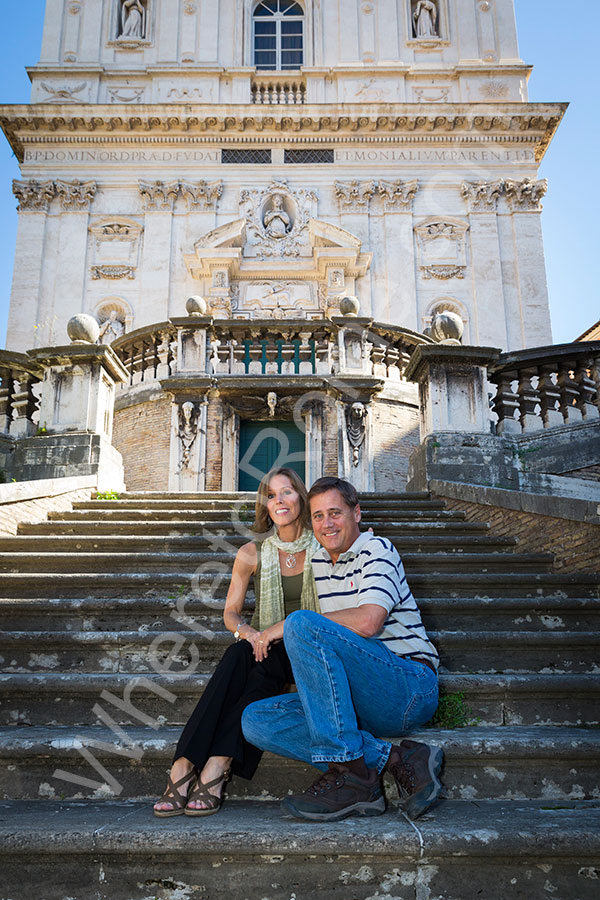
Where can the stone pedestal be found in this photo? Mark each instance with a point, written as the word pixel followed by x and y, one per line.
pixel 453 387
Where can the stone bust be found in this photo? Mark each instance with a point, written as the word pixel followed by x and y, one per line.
pixel 111 328
pixel 276 221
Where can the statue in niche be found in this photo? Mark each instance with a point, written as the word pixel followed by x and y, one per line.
pixel 276 221
pixel 133 19
pixel 188 430
pixel 356 428
pixel 111 328
pixel 425 19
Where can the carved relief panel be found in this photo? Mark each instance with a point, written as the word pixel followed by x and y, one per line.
pixel 115 246
pixel 441 248
pixel 277 220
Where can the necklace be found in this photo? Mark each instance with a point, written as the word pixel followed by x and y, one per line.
pixel 290 561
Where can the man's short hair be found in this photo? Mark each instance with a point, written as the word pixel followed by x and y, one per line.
pixel 331 483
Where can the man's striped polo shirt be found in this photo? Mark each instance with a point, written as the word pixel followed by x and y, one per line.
pixel 371 571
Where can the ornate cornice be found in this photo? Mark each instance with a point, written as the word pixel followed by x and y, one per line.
pixel 531 123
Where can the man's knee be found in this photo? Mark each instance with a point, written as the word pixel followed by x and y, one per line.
pixel 254 718
pixel 300 624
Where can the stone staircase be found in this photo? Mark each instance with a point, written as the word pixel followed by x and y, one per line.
pixel 111 623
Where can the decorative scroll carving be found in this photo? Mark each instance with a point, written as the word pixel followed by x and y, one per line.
pixel 33 195
pixel 76 195
pixel 189 415
pixel 159 194
pixel 202 194
pixel 482 196
pixel 64 91
pixel 113 272
pixel 356 428
pixel 525 194
pixel 277 218
pixel 354 194
pixel 162 195
pixel 126 94
pixel 401 193
pixel 441 246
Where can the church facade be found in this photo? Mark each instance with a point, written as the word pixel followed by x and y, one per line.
pixel 266 206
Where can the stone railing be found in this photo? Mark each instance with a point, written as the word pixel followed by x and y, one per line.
pixel 546 386
pixel 19 402
pixel 278 90
pixel 237 347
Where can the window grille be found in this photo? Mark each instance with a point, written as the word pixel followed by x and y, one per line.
pixel 278 35
pixel 307 157
pixel 255 157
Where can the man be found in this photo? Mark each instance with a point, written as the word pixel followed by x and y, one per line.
pixel 364 667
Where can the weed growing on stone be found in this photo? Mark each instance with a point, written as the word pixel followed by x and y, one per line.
pixel 452 712
pixel 107 495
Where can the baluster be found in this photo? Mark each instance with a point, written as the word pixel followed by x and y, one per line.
pixel 24 405
pixel 289 97
pixel 595 373
pixel 305 352
pixel 529 401
pixel 587 390
pixel 271 353
pixel 282 93
pixel 299 93
pixel 506 403
pixel 549 396
pixel 287 357
pixel 162 356
pixel 392 363
pixel 238 358
pixel 6 391
pixel 255 353
pixel 569 394
pixel 323 355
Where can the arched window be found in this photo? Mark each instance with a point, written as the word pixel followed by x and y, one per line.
pixel 278 35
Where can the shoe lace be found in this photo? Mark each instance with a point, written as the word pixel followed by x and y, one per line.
pixel 326 782
pixel 404 776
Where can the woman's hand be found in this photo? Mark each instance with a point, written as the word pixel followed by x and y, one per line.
pixel 265 639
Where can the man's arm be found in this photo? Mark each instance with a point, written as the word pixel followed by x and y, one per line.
pixel 366 620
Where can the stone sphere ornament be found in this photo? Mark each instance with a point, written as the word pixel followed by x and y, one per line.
pixel 196 306
pixel 447 327
pixel 349 306
pixel 83 329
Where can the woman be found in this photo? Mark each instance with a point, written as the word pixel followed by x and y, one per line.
pixel 212 744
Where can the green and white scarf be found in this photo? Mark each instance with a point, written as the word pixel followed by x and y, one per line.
pixel 272 607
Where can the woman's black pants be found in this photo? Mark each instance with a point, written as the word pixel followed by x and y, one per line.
pixel 215 726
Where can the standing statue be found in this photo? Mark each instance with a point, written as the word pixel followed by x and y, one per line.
pixel 133 15
pixel 425 19
pixel 276 221
pixel 356 428
pixel 111 328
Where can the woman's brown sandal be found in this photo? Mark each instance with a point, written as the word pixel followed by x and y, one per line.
pixel 172 796
pixel 200 793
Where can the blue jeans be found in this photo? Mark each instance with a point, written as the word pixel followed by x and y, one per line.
pixel 351 690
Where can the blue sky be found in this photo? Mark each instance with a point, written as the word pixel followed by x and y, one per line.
pixel 559 39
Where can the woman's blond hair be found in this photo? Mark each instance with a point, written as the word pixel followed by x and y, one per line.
pixel 262 520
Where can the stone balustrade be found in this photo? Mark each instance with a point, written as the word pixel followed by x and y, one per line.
pixel 19 397
pixel 207 346
pixel 278 91
pixel 546 386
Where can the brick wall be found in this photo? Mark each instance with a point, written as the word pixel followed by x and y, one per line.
pixel 575 545
pixel 395 435
pixel 330 440
pixel 141 434
pixel 214 444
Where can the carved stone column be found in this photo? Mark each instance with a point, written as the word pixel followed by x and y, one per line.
pixel 482 200
pixel 398 252
pixel 453 387
pixel 158 201
pixel 524 201
pixel 75 201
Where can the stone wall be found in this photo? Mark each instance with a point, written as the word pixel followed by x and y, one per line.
pixel 575 544
pixel 141 433
pixel 589 473
pixel 330 441
pixel 31 501
pixel 395 435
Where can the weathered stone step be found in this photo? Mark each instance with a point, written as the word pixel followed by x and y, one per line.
pixel 140 652
pixel 55 698
pixel 234 496
pixel 455 527
pixel 134 543
pixel 168 559
pixel 480 763
pixel 392 502
pixel 546 613
pixel 460 850
pixel 219 517
pixel 184 583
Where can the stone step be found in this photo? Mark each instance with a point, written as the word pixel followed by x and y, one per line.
pixel 455 527
pixel 207 587
pixel 80 613
pixel 480 764
pixel 134 543
pixel 139 652
pixel 392 502
pixel 169 559
pixel 220 517
pixel 233 496
pixel 68 698
pixel 460 850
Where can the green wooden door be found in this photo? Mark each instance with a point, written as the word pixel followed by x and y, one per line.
pixel 264 445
